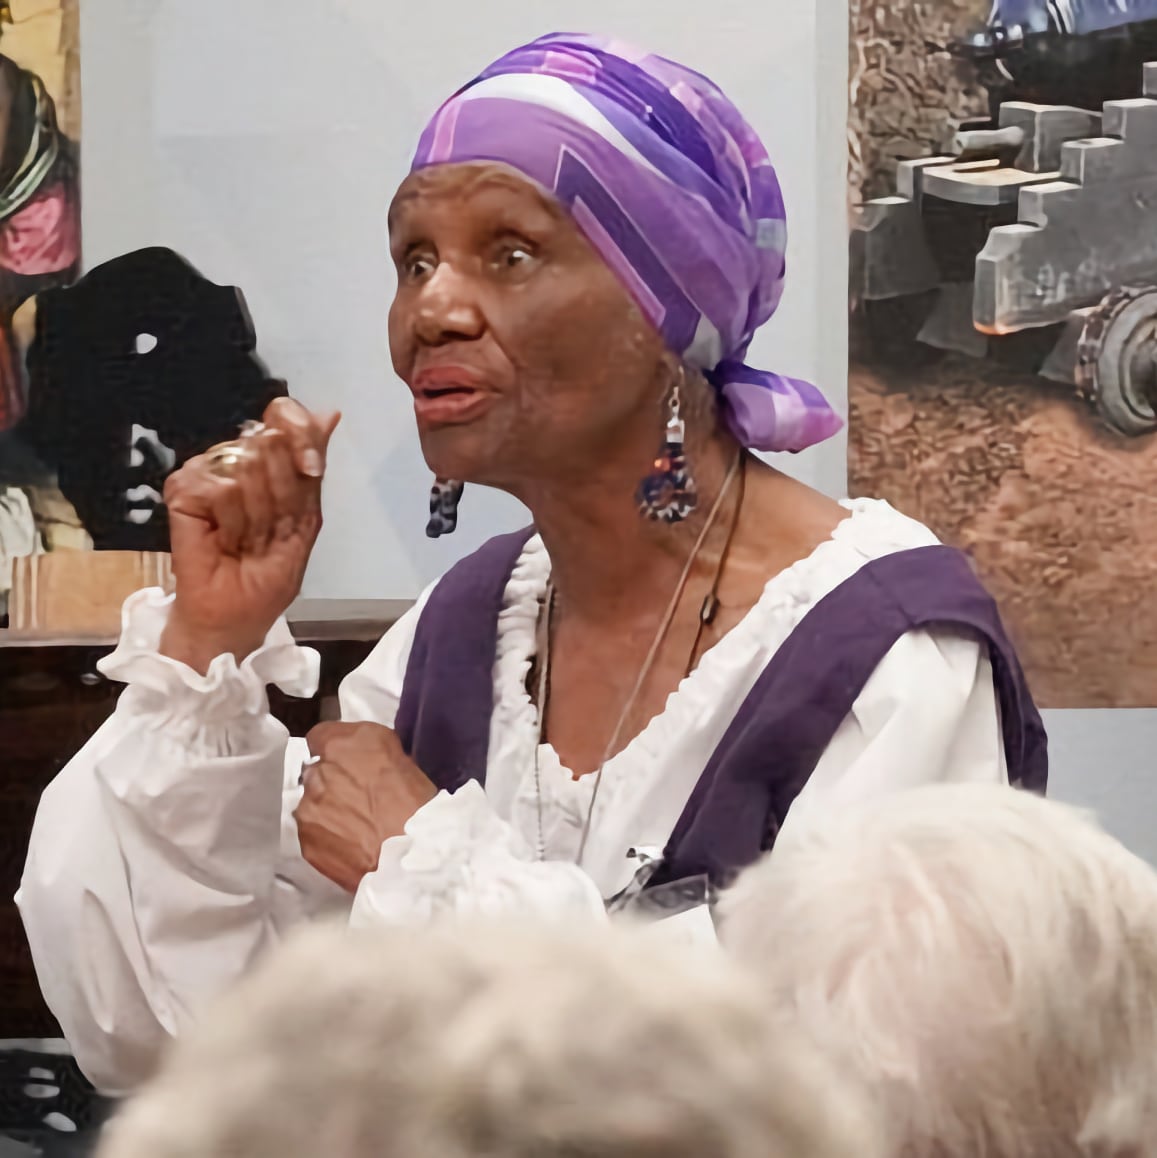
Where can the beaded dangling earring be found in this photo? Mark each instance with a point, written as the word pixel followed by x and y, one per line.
pixel 444 497
pixel 667 494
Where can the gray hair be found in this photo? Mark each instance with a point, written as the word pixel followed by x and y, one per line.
pixel 491 1040
pixel 983 961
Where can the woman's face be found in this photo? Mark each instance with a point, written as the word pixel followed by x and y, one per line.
pixel 526 357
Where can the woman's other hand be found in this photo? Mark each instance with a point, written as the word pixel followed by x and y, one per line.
pixel 361 790
pixel 241 542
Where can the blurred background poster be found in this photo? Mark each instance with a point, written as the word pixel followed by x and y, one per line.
pixel 39 250
pixel 1003 377
pixel 111 376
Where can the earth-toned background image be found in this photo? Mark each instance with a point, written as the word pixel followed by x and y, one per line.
pixel 1003 377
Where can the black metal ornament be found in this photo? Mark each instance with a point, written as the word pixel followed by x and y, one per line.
pixel 445 495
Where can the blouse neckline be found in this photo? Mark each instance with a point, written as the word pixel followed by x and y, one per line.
pixel 872 528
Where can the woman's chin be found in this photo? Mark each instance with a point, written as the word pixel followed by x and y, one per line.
pixel 454 452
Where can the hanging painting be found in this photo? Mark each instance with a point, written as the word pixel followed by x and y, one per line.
pixel 108 381
pixel 1003 377
pixel 39 249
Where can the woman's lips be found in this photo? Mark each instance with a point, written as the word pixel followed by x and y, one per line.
pixel 449 395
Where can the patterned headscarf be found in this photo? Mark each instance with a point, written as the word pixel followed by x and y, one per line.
pixel 672 187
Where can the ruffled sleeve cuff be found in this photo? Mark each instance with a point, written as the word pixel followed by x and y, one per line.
pixel 228 690
pixel 458 857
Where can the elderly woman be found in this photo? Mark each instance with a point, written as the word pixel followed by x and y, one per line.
pixel 635 692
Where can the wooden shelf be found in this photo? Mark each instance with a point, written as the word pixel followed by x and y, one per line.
pixel 310 620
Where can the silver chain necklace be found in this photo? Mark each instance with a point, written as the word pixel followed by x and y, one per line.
pixel 644 672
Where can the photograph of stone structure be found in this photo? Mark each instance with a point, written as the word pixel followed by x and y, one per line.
pixel 1003 379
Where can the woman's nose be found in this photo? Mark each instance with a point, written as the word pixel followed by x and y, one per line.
pixel 448 308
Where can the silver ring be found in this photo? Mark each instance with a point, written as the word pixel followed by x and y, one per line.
pixel 306 765
pixel 250 427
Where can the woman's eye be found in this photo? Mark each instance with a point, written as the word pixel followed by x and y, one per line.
pixel 418 265
pixel 512 256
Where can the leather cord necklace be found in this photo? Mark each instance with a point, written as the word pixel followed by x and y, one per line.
pixel 708 610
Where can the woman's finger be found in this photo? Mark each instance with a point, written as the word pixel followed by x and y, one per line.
pixel 228 512
pixel 327 424
pixel 288 491
pixel 197 493
pixel 320 735
pixel 333 836
pixel 308 436
pixel 324 853
pixel 257 503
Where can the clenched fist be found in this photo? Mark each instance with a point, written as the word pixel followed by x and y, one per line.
pixel 241 542
pixel 362 790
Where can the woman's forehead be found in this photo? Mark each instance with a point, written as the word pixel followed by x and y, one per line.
pixel 497 184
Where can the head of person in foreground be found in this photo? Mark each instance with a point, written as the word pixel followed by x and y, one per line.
pixel 438 1043
pixel 982 961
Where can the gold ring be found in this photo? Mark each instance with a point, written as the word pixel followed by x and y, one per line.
pixel 224 458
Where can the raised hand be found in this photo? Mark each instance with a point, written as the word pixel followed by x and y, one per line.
pixel 243 520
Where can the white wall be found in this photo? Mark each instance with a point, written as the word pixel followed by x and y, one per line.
pixel 263 138
pixel 1105 760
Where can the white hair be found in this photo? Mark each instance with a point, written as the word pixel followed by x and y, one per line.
pixel 491 1040
pixel 982 960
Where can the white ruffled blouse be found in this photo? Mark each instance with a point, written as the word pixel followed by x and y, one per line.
pixel 164 857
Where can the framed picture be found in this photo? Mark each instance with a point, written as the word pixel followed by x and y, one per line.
pixel 1003 376
pixel 40 118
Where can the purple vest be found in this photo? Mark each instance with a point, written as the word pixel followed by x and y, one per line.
pixel 781 729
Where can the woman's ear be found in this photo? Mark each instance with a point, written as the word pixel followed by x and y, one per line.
pixel 700 408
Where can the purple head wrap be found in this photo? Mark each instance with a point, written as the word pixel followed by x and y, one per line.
pixel 672 187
